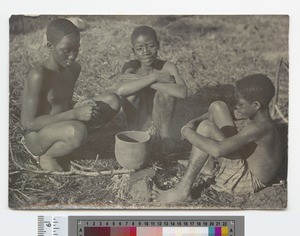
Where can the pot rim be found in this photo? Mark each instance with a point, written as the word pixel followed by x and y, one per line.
pixel 147 136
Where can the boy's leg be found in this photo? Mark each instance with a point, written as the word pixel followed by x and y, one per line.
pixel 135 111
pixel 162 115
pixel 130 112
pixel 219 114
pixel 197 160
pixel 56 140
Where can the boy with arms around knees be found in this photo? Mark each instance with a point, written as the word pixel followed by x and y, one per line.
pixel 148 87
pixel 53 124
pixel 249 159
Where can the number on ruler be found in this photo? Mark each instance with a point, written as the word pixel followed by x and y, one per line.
pixel 48 223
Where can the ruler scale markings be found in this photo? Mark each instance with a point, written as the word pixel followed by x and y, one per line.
pixel 196 225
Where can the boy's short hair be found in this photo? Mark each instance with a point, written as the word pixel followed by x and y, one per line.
pixel 58 28
pixel 256 87
pixel 143 30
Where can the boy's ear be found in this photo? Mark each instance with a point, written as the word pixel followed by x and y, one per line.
pixel 257 105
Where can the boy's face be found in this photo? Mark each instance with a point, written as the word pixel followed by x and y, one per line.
pixel 244 108
pixel 145 49
pixel 66 50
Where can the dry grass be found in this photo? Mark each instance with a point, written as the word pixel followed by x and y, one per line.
pixel 210 53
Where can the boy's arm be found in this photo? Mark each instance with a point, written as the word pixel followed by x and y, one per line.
pixel 177 89
pixel 226 147
pixel 131 83
pixel 30 117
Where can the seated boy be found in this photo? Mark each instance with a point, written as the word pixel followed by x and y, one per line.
pixel 248 159
pixel 148 87
pixel 53 124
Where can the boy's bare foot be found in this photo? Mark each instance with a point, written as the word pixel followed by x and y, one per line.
pixel 168 196
pixel 210 167
pixel 50 164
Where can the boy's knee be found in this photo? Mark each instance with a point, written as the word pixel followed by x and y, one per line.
pixel 217 106
pixel 76 133
pixel 204 127
pixel 113 100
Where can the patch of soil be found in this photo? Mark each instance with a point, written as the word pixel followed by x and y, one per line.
pixel 273 197
pixel 140 185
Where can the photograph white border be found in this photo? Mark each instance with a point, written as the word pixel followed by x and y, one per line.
pixel 274 223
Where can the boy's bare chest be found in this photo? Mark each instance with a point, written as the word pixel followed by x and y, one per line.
pixel 60 90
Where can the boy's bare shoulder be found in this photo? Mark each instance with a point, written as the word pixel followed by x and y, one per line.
pixel 256 131
pixel 38 73
pixel 169 67
pixel 252 131
pixel 36 79
pixel 169 64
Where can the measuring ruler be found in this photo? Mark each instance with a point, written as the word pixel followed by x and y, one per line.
pixel 140 225
pixel 53 225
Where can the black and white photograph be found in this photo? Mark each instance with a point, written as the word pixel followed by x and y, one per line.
pixel 148 111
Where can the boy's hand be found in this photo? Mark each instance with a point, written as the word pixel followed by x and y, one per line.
pixel 189 125
pixel 163 77
pixel 84 112
pixel 85 102
pixel 184 128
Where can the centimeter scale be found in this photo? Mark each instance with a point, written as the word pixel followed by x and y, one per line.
pixel 141 226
